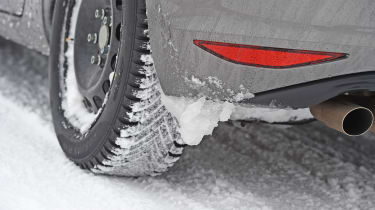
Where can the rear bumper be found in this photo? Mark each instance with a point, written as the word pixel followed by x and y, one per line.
pixel 186 70
pixel 312 93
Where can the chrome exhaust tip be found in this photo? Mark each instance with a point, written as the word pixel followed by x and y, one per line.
pixel 344 116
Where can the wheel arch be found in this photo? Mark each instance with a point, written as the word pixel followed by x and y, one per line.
pixel 48 7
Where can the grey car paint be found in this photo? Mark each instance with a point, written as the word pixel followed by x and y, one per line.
pixel 26 22
pixel 12 7
pixel 185 70
pixel 335 25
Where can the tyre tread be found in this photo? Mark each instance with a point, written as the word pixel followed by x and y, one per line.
pixel 150 144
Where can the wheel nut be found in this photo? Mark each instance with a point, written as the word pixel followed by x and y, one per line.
pixel 92 38
pixel 105 20
pixel 95 38
pixel 93 59
pixel 99 60
pixel 96 60
pixel 89 38
pixel 103 13
pixel 97 13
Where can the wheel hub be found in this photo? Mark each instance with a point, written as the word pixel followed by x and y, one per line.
pixel 103 37
pixel 95 49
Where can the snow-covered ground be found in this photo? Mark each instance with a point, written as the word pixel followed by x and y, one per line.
pixel 242 166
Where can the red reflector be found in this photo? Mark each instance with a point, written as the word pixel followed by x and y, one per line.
pixel 267 57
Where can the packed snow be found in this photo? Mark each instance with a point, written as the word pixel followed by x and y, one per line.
pixel 270 115
pixel 199 117
pixel 72 101
pixel 241 166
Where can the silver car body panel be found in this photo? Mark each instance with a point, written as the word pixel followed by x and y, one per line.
pixel 12 7
pixel 25 22
pixel 184 69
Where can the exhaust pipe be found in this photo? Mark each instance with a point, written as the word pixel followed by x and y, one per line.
pixel 344 116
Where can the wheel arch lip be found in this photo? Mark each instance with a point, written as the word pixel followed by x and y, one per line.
pixel 48 7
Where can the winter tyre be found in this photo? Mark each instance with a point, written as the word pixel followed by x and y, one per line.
pixel 107 112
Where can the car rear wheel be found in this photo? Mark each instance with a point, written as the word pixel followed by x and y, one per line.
pixel 105 97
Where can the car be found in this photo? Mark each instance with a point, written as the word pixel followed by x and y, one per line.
pixel 132 83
